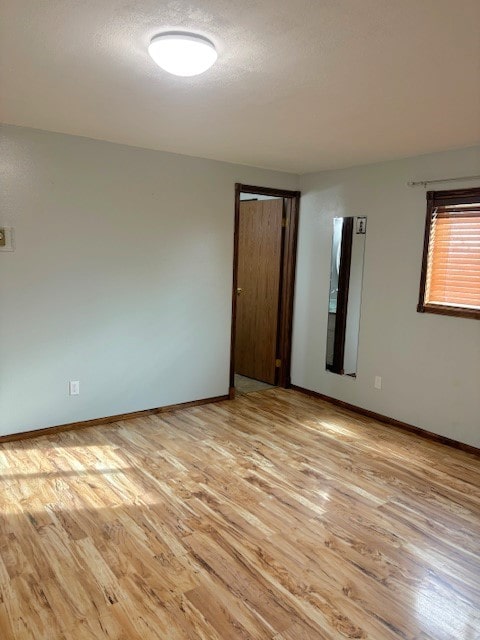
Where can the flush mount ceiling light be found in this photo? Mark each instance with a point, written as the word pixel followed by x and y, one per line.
pixel 183 54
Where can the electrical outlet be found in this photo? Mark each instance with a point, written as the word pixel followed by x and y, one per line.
pixel 378 382
pixel 74 387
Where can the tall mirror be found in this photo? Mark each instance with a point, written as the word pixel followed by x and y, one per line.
pixel 346 275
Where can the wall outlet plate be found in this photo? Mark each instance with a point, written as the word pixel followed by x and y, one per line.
pixel 74 387
pixel 6 239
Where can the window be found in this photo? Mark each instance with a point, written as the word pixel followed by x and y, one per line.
pixel 450 281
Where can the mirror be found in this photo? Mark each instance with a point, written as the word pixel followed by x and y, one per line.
pixel 346 275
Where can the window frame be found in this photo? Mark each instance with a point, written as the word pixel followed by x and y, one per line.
pixel 435 199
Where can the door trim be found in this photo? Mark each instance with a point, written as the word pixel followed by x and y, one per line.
pixel 291 206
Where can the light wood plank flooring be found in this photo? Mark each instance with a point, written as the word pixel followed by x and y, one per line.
pixel 274 515
pixel 250 385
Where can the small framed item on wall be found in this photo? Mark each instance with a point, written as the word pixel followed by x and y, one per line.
pixel 361 224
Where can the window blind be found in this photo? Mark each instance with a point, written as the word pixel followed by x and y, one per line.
pixel 453 267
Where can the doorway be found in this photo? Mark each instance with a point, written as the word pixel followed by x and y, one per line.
pixel 266 222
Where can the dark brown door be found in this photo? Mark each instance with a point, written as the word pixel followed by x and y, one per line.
pixel 259 260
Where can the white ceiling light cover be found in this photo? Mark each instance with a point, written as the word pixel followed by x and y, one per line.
pixel 182 54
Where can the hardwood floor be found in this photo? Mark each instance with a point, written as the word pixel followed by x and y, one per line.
pixel 249 385
pixel 274 515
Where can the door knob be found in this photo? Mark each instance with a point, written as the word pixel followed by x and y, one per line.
pixel 239 290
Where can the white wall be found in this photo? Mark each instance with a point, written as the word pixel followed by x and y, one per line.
pixel 121 277
pixel 430 364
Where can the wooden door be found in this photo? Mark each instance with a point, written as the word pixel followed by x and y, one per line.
pixel 258 278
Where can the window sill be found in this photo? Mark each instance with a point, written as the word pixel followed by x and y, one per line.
pixel 459 312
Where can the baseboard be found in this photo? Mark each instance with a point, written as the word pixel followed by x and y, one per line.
pixel 98 421
pixel 423 433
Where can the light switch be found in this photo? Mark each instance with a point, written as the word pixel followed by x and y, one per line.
pixel 6 239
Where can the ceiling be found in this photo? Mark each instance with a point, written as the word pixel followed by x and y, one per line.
pixel 300 85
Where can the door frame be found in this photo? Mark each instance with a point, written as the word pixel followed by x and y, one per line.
pixel 291 209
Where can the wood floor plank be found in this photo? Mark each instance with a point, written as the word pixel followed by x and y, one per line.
pixel 274 516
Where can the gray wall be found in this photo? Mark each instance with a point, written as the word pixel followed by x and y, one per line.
pixel 430 364
pixel 122 272
pixel 121 277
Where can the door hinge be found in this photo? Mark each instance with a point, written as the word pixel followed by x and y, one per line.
pixel 278 362
pixel 284 222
